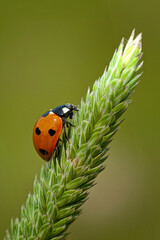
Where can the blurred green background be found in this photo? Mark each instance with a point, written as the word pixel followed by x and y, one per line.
pixel 50 52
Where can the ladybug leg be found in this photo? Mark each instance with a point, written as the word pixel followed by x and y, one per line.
pixel 71 115
pixel 68 123
pixel 64 127
pixel 56 147
pixel 72 125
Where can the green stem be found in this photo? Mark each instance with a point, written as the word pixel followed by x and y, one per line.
pixel 65 180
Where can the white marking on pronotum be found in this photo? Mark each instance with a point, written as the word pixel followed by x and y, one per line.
pixel 65 110
pixel 51 112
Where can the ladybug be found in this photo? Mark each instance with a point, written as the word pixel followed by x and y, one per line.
pixel 48 128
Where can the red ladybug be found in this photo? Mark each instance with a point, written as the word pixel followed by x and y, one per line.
pixel 48 128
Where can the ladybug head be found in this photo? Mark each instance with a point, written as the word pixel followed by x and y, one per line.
pixel 68 110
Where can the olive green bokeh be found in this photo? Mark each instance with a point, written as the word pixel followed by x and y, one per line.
pixel 50 52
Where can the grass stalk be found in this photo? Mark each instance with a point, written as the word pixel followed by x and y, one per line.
pixel 64 182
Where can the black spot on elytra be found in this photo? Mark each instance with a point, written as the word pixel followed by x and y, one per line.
pixel 44 152
pixel 51 132
pixel 38 131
